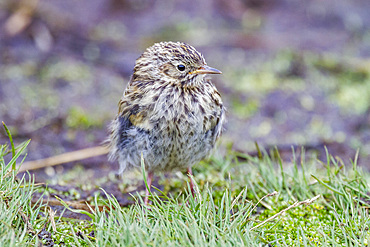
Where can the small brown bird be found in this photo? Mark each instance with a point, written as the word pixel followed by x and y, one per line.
pixel 169 113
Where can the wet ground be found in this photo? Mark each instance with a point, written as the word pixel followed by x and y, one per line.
pixel 295 73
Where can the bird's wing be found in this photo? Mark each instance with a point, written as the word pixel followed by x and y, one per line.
pixel 134 105
pixel 129 125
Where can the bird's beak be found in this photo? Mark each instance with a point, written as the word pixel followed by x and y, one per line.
pixel 206 70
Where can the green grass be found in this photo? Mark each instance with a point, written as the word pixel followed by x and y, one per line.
pixel 236 206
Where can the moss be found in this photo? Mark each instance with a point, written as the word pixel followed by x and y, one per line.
pixel 314 220
pixel 78 118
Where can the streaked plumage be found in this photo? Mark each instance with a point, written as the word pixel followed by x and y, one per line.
pixel 169 113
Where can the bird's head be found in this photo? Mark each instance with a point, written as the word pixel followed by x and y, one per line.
pixel 176 62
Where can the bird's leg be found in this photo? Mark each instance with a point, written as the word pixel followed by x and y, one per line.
pixel 147 189
pixel 190 173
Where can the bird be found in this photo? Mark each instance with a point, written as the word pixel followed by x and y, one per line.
pixel 170 114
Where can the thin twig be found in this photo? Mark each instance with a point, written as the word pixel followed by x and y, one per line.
pixel 52 219
pixel 260 200
pixel 64 158
pixel 296 204
pixel 75 204
pixel 21 18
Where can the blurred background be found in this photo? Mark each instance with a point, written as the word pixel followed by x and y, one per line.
pixel 295 73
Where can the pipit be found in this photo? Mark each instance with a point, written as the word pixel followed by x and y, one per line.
pixel 170 113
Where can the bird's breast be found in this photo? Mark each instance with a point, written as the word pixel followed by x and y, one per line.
pixel 177 111
pixel 180 110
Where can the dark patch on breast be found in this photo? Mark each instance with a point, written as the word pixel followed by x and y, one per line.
pixel 201 109
pixel 134 109
pixel 178 130
pixel 161 88
pixel 139 84
pixel 149 83
pixel 155 98
pixel 182 94
pixel 150 107
pixel 143 114
pixel 168 97
pixel 205 120
pixel 194 98
pixel 186 109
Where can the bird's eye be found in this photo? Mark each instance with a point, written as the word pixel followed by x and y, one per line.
pixel 181 67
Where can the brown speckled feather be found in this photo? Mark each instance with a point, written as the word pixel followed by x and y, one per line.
pixel 171 114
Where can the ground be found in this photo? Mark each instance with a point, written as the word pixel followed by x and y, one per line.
pixel 295 73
